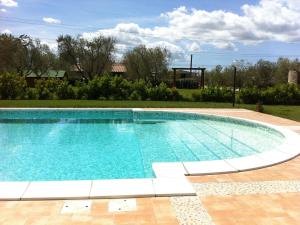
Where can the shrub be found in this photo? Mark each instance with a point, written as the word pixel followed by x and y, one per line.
pixel 99 87
pixel 160 93
pixel 286 94
pixel 65 91
pixel 140 88
pixel 82 92
pixel 92 89
pixel 282 95
pixel 119 88
pixel 105 86
pixel 214 94
pixel 12 86
pixel 32 94
pixel 135 96
pixel 47 88
pixel 250 95
pixel 176 95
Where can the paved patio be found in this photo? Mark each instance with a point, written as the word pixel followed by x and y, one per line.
pixel 268 196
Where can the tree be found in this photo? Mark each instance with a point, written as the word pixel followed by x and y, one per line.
pixel 150 64
pixel 11 53
pixel 216 76
pixel 89 57
pixel 38 57
pixel 24 55
pixel 265 73
pixel 283 66
pixel 242 66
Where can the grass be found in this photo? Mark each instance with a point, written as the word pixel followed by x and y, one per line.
pixel 108 104
pixel 289 112
pixel 187 93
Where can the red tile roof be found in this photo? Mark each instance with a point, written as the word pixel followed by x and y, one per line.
pixel 118 68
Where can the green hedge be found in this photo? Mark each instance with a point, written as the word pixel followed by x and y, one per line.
pixel 13 86
pixel 285 94
pixel 214 94
pixel 250 95
pixel 103 87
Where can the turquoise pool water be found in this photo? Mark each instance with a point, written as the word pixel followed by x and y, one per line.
pixel 42 145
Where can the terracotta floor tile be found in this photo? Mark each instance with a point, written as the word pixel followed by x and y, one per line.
pixel 259 209
pixel 168 223
pixel 126 218
pixel 14 221
pixel 149 211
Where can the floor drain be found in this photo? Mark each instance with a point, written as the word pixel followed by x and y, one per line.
pixel 122 205
pixel 76 207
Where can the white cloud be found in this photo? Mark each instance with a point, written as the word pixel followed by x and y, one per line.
pixel 3 10
pixel 189 29
pixel 130 35
pixel 6 31
pixel 51 20
pixel 226 46
pixel 9 3
pixel 52 44
pixel 193 47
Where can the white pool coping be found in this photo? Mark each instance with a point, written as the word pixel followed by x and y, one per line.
pixel 170 177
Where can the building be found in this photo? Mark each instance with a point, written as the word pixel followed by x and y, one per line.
pixel 185 74
pixel 75 74
pixel 118 69
pixel 294 77
pixel 58 74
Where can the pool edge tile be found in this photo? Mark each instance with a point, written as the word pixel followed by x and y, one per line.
pixel 12 191
pixel 168 187
pixel 122 188
pixel 64 190
pixel 169 169
pixel 275 157
pixel 208 167
pixel 248 163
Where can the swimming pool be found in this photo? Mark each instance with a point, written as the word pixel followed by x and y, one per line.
pixel 55 145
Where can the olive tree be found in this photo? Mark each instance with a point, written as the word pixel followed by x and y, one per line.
pixel 150 64
pixel 24 55
pixel 90 57
pixel 9 47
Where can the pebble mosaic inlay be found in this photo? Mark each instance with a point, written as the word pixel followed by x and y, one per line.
pixel 246 188
pixel 190 211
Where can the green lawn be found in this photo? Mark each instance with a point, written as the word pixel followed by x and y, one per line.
pixel 290 112
pixel 109 104
pixel 187 93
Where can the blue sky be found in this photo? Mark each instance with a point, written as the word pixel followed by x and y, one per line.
pixel 215 31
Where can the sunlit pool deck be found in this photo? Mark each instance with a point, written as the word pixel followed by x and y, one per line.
pixel 268 195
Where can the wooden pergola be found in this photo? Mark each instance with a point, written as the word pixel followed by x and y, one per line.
pixel 201 83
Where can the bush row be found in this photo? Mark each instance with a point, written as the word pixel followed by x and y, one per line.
pixel 213 94
pixel 285 94
pixel 105 87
